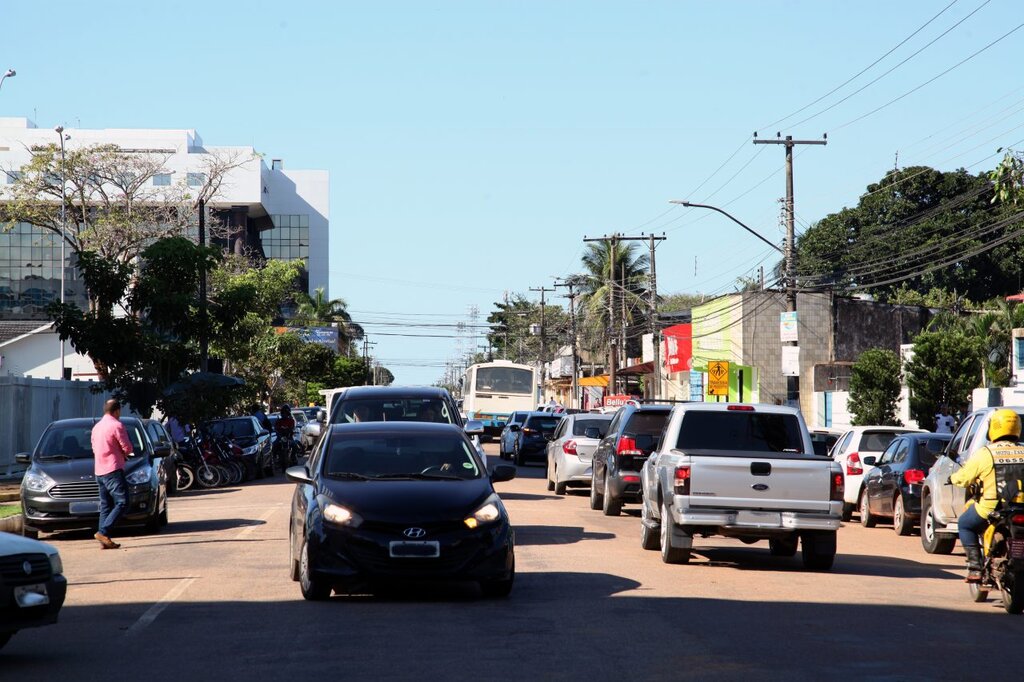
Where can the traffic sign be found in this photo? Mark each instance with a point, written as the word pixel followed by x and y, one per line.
pixel 718 378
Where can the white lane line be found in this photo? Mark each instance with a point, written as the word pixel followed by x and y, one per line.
pixel 156 609
pixel 249 529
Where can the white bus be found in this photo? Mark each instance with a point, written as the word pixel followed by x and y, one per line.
pixel 491 391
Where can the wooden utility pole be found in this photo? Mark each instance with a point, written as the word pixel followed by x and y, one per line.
pixel 655 327
pixel 543 345
pixel 571 283
pixel 792 383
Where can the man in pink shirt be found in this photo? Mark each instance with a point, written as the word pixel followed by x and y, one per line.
pixel 110 446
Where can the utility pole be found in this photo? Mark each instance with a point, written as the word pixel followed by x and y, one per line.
pixel 792 383
pixel 543 346
pixel 366 360
pixel 655 328
pixel 571 283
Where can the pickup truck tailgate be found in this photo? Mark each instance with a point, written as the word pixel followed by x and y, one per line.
pixel 782 482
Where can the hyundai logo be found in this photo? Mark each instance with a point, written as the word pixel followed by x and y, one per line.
pixel 27 567
pixel 414 533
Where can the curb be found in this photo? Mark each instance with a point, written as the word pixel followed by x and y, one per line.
pixel 10 497
pixel 12 524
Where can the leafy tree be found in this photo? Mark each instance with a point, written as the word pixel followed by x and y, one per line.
pixel 946 366
pixel 676 302
pixel 510 334
pixel 875 388
pixel 318 310
pixel 616 273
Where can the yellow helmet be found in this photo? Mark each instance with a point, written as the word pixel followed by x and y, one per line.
pixel 1002 424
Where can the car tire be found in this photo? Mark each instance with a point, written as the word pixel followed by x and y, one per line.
pixel 1013 597
pixel 867 519
pixel 519 459
pixel 29 533
pixel 312 587
pixel 900 522
pixel 596 498
pixel 783 546
pixel 551 482
pixel 672 554
pixel 847 513
pixel 818 550
pixel 559 486
pixel 5 637
pixel 293 562
pixel 933 541
pixel 610 506
pixel 650 538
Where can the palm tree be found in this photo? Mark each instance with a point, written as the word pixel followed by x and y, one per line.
pixel 615 277
pixel 319 310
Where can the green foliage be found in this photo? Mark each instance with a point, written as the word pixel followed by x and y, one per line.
pixel 1008 179
pixel 945 368
pixel 875 388
pixel 510 336
pixel 678 302
pixel 318 310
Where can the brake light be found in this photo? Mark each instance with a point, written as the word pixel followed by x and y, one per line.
pixel 569 447
pixel 682 482
pixel 913 476
pixel 627 446
pixel 740 408
pixel 853 467
pixel 1017 519
pixel 630 479
pixel 838 487
pixel 529 430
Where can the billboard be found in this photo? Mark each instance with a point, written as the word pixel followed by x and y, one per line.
pixel 325 336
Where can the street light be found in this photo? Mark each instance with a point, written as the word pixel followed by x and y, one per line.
pixel 63 234
pixel 9 73
pixel 730 217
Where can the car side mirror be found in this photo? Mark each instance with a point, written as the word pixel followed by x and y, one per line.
pixel 592 432
pixel 321 416
pixel 474 427
pixel 503 472
pixel 515 428
pixel 23 458
pixel 871 460
pixel 162 451
pixel 298 474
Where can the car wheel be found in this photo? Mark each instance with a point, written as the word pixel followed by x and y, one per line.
pixel 596 498
pixel 932 541
pixel 1013 598
pixel 610 506
pixel 519 459
pixel 847 512
pixel 819 550
pixel 783 546
pixel 559 486
pixel 650 538
pixel 551 482
pixel 29 533
pixel 866 518
pixel 312 587
pixel 293 563
pixel 900 523
pixel 673 553
pixel 4 638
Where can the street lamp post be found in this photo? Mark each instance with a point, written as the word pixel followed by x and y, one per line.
pixel 63 235
pixel 9 73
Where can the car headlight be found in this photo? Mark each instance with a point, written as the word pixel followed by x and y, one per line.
pixel 250 450
pixel 56 565
pixel 139 476
pixel 340 516
pixel 37 481
pixel 489 513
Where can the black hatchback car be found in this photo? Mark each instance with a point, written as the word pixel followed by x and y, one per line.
pixel 893 488
pixel 387 501
pixel 60 491
pixel 531 439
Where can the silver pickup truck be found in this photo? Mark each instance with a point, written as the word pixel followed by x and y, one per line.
pixel 742 471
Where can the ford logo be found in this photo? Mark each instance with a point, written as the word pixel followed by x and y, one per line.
pixel 761 487
pixel 414 533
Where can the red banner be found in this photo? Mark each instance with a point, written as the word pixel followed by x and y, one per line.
pixel 616 400
pixel 677 348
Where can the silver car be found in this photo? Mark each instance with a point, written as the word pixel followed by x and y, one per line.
pixel 571 450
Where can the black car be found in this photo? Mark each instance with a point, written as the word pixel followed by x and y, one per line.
pixel 60 491
pixel 509 437
pixel 892 489
pixel 393 404
pixel 632 436
pixel 160 438
pixel 395 501
pixel 532 437
pixel 248 434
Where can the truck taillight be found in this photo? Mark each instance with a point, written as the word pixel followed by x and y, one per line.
pixel 569 447
pixel 913 476
pixel 853 467
pixel 741 408
pixel 838 487
pixel 627 446
pixel 1017 519
pixel 682 480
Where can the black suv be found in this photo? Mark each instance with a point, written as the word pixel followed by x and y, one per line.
pixel 533 436
pixel 634 434
pixel 394 404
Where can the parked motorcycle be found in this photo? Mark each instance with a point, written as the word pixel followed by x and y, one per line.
pixel 1003 565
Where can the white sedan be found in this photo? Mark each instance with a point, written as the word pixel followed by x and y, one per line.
pixel 571 450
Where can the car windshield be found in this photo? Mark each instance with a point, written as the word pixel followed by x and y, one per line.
pixel 876 441
pixel 392 410
pixel 580 426
pixel 928 450
pixel 299 417
pixel 439 456
pixel 543 424
pixel 740 432
pixel 504 380
pixel 75 442
pixel 233 428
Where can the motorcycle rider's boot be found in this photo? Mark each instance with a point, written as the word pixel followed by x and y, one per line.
pixel 973 564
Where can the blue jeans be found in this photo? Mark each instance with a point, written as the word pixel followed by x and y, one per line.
pixel 113 499
pixel 970 525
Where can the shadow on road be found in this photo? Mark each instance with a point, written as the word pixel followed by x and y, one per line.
pixel 757 558
pixel 207 525
pixel 526 496
pixel 556 535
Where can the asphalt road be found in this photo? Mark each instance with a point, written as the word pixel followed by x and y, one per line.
pixel 210 598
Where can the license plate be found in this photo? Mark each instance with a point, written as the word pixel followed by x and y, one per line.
pixel 415 550
pixel 759 518
pixel 28 596
pixel 84 507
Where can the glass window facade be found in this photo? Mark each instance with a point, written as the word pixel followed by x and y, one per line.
pixel 196 179
pixel 30 270
pixel 162 179
pixel 288 239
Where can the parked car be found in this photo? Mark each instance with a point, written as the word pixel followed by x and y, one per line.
pixel 398 501
pixel 742 471
pixel 823 440
pixel 247 433
pixel 60 491
pixel 533 436
pixel 851 449
pixel 571 450
pixel 309 432
pixel 634 433
pixel 508 438
pixel 32 585
pixel 942 502
pixel 892 489
pixel 160 438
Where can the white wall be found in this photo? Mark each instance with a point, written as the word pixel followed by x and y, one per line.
pixel 296 192
pixel 38 356
pixel 841 417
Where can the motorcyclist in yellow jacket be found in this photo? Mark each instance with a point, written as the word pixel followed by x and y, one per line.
pixel 1004 430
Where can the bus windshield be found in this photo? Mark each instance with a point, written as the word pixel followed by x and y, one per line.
pixel 504 380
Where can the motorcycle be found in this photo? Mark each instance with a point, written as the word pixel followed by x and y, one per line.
pixel 1003 563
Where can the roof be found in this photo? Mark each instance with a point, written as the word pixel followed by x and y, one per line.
pixel 400 427
pixel 11 330
pixel 393 392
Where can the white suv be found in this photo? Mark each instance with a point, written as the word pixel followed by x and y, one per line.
pixel 851 450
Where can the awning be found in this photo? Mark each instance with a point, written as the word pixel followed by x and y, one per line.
pixel 642 368
pixel 600 380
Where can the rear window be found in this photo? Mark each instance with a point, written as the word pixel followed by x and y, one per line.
pixel 580 426
pixel 543 423
pixel 740 431
pixel 928 451
pixel 876 441
pixel 518 418
pixel 646 424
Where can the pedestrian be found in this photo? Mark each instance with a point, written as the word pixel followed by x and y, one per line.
pixel 110 447
pixel 944 421
pixel 179 431
pixel 261 416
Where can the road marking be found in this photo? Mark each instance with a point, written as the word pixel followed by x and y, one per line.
pixel 249 529
pixel 156 609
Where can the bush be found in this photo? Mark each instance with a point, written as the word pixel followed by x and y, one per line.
pixel 875 383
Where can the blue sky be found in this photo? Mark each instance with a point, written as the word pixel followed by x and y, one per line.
pixel 472 145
